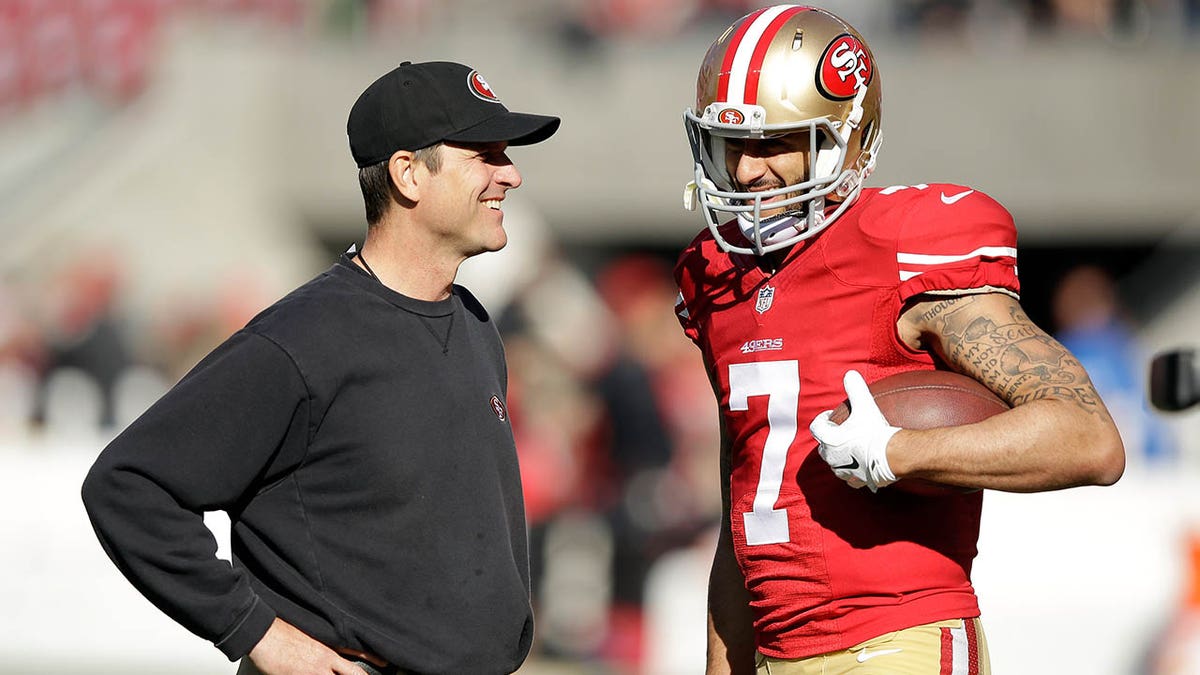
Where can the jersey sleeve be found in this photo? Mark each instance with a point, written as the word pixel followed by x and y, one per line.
pixel 226 427
pixel 690 261
pixel 957 240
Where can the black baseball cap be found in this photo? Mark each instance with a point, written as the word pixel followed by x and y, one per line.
pixel 419 104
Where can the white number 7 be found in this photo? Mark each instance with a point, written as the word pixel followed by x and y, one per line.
pixel 779 381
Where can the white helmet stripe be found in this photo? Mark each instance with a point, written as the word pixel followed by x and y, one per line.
pixel 745 52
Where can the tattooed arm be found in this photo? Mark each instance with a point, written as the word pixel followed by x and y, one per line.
pixel 1058 434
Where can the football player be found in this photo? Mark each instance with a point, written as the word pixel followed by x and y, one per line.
pixel 805 286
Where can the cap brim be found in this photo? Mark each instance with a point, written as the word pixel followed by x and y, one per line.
pixel 513 128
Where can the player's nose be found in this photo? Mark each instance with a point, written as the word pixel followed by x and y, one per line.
pixel 749 169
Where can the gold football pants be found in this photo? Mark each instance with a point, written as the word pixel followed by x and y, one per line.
pixel 954 647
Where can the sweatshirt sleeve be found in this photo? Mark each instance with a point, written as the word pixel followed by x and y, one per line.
pixel 204 446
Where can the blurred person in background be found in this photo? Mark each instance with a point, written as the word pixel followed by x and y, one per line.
pixel 23 354
pixel 1092 323
pixel 87 336
pixel 356 431
pixel 553 330
pixel 634 435
pixel 805 285
pixel 653 507
pixel 610 412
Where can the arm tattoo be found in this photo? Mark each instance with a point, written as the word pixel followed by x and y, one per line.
pixel 1009 354
pixel 938 308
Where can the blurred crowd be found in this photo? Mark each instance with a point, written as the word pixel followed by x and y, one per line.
pixel 47 46
pixel 75 363
pixel 921 18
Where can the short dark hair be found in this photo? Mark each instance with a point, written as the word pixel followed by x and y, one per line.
pixel 376 183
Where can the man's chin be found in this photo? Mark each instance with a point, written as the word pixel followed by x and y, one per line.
pixel 497 243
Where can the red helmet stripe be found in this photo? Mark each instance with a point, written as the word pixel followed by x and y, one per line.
pixel 760 53
pixel 731 51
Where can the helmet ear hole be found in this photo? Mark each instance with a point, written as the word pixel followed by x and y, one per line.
pixel 868 135
pixel 713 159
pixel 824 140
pixel 870 143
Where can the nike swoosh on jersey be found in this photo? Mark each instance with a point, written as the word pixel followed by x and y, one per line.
pixel 864 655
pixel 955 198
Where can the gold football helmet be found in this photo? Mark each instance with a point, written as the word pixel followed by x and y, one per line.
pixel 783 70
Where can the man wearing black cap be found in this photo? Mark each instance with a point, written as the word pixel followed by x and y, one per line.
pixel 356 431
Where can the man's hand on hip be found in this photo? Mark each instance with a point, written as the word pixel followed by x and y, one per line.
pixel 856 449
pixel 286 650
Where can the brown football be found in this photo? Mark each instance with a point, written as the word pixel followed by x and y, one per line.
pixel 927 399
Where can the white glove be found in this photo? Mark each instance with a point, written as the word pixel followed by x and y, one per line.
pixel 856 449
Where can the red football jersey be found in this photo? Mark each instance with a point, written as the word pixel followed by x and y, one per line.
pixel 828 566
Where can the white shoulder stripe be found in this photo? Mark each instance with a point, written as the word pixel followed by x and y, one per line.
pixel 983 251
pixel 745 52
pixel 681 307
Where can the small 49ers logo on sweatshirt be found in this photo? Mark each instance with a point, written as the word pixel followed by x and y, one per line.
pixel 498 408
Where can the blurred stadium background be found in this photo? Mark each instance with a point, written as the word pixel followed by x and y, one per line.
pixel 170 167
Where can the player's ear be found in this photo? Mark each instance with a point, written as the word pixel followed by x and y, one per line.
pixel 402 168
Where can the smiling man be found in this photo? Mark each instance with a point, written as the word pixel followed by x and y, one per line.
pixel 805 283
pixel 356 431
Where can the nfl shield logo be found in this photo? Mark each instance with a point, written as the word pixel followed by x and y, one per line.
pixel 766 295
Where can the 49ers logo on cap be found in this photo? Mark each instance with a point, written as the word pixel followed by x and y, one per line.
pixel 481 88
pixel 845 68
pixel 731 116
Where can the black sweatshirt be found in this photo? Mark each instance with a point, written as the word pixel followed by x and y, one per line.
pixel 360 443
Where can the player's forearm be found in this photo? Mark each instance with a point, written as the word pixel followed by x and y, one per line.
pixel 730 621
pixel 1058 434
pixel 1043 444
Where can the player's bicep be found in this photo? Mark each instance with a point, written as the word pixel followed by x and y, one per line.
pixel 989 337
